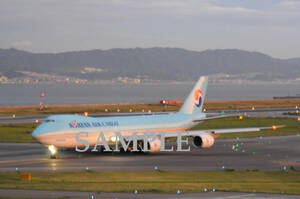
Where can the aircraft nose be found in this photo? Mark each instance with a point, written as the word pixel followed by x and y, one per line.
pixel 37 131
pixel 37 134
pixel 34 133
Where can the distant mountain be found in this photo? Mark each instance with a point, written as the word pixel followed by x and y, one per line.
pixel 156 63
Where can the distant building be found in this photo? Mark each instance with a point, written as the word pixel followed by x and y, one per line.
pixel 170 102
pixel 287 97
pixel 3 78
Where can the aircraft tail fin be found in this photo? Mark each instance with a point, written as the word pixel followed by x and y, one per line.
pixel 195 100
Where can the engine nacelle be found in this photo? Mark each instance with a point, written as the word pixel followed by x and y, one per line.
pixel 154 146
pixel 205 140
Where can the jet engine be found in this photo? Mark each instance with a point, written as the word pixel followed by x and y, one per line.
pixel 204 140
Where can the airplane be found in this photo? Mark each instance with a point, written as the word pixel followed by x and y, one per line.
pixel 60 131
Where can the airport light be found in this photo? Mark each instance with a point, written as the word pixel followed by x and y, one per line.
pixel 274 127
pixel 283 168
pixel 52 150
pixel 298 119
pixel 17 169
pixel 204 110
pixel 118 110
pixel 13 115
pixel 178 191
pixel 253 108
pixel 241 117
pixel 106 110
pixel 297 111
pixel 130 110
pixel 85 113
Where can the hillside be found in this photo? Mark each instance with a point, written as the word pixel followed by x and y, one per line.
pixel 153 63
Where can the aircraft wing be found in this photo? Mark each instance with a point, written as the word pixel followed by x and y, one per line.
pixel 213 131
pixel 216 131
pixel 215 117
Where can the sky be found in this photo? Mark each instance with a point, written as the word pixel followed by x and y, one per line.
pixel 268 26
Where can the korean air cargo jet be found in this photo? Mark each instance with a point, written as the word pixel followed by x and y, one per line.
pixel 73 131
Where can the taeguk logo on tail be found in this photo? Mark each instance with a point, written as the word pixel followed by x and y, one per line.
pixel 198 97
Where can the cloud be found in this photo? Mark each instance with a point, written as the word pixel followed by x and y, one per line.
pixel 179 7
pixel 289 4
pixel 55 25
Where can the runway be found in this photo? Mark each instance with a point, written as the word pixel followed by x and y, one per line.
pixel 268 153
pixel 80 194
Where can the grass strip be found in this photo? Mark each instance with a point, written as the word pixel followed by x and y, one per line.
pixel 158 181
pixel 19 133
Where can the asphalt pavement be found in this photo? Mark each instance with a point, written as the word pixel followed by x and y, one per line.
pixel 95 195
pixel 266 153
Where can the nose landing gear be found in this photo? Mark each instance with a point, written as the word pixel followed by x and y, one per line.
pixel 53 151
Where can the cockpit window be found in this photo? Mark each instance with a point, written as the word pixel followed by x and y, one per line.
pixel 49 120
